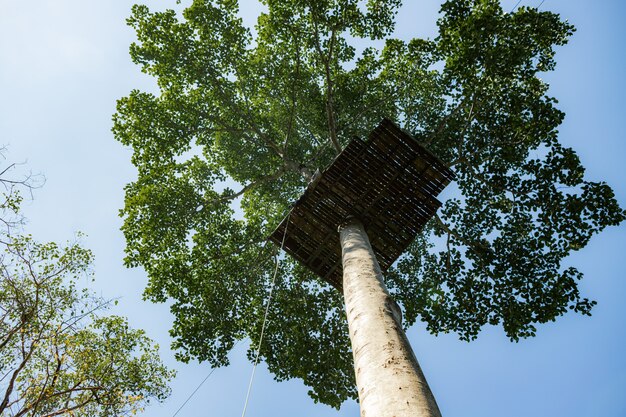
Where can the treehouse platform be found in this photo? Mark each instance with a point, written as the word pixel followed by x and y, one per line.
pixel 389 182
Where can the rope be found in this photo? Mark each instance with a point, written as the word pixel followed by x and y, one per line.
pixel 256 361
pixel 267 309
pixel 194 391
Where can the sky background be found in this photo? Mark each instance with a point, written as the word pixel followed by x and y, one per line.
pixel 64 63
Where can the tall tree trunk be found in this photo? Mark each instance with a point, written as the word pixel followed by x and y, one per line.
pixel 388 377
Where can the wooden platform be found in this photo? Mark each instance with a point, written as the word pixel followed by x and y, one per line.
pixel 390 183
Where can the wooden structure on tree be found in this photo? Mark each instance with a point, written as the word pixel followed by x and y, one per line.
pixel 389 182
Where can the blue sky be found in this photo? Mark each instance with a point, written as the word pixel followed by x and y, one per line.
pixel 63 63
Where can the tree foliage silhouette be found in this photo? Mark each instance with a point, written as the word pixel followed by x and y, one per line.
pixel 267 110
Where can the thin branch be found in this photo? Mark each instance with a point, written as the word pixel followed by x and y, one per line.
pixel 9 336
pixel 219 88
pixel 292 165
pixel 11 385
pixel 332 129
pixel 69 409
pixel 444 121
pixel 330 110
pixel 35 404
pixel 55 376
pixel 4 171
pixel 451 232
pixel 292 113
pixel 467 158
pixel 248 187
pixel 468 122
pixel 302 124
pixel 448 253
pixel 70 323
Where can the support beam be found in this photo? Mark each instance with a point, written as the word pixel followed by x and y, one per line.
pixel 389 379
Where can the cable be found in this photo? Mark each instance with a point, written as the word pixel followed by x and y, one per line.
pixel 256 360
pixel 542 1
pixel 267 309
pixel 515 7
pixel 194 391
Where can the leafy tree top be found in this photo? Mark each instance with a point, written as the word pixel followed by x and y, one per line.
pixel 268 110
pixel 58 356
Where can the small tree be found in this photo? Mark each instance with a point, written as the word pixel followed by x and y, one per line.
pixel 57 355
pixel 268 111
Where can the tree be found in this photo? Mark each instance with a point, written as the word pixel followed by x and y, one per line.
pixel 11 185
pixel 57 355
pixel 267 111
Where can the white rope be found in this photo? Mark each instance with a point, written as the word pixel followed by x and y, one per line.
pixel 267 309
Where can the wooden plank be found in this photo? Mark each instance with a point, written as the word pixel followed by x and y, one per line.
pixel 389 182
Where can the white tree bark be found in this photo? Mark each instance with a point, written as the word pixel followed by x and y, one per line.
pixel 389 379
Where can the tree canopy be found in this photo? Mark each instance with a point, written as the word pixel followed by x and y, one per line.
pixel 265 111
pixel 58 354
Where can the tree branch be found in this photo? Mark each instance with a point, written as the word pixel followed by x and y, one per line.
pixel 325 60
pixel 248 187
pixel 11 385
pixel 451 232
pixel 468 158
pixel 292 113
pixel 69 409
pixel 444 121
